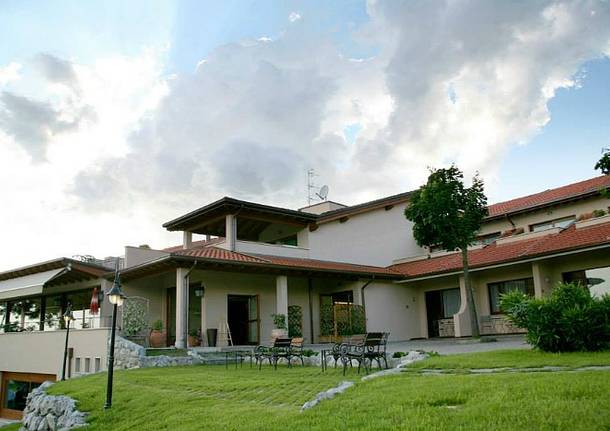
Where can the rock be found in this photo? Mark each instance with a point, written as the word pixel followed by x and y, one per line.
pixel 51 422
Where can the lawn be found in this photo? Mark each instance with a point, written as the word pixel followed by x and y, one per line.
pixel 210 397
pixel 514 359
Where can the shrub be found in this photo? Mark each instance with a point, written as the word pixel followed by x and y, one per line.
pixel 309 353
pixel 279 320
pixel 569 320
pixel 295 321
pixel 398 354
pixel 599 213
pixel 157 325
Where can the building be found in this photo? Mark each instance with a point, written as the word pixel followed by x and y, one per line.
pixel 330 268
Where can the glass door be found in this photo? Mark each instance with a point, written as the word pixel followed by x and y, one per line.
pixel 253 320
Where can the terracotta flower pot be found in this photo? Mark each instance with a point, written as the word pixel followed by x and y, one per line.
pixel 193 341
pixel 279 333
pixel 157 339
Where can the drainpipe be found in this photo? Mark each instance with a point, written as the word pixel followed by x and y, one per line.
pixel 186 302
pixel 362 297
pixel 309 291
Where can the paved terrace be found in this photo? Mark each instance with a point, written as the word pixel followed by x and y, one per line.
pixel 448 346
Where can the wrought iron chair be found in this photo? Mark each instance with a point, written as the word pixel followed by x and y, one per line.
pixel 280 349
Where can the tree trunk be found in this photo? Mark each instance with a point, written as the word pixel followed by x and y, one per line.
pixel 474 321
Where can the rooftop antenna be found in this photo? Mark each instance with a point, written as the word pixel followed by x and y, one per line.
pixel 311 173
pixel 323 193
pixel 314 191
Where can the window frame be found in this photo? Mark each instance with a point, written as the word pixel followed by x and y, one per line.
pixel 530 292
pixel 552 223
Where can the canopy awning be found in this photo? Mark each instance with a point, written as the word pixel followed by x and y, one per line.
pixel 27 285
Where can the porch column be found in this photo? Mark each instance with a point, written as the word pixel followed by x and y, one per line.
pixel 187 239
pixel 541 280
pixel 281 295
pixel 181 300
pixel 105 306
pixel 230 231
pixel 461 319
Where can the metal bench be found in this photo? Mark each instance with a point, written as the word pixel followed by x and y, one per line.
pixel 364 349
pixel 286 348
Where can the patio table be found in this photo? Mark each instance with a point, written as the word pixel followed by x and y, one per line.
pixel 238 356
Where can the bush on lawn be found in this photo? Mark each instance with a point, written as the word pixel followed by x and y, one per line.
pixel 569 320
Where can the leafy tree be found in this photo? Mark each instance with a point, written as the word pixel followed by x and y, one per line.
pixel 604 163
pixel 446 213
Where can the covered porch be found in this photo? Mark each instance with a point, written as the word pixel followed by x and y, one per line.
pixel 189 296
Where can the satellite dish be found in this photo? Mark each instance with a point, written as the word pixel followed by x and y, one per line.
pixel 323 194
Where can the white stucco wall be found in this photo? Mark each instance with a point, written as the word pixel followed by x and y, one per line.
pixel 376 238
pixel 42 352
pixel 392 308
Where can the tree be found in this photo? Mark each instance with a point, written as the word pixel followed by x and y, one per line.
pixel 448 214
pixel 604 163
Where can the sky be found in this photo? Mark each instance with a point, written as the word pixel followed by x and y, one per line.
pixel 118 116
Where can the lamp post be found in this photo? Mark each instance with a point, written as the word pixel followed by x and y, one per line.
pixel 68 317
pixel 115 297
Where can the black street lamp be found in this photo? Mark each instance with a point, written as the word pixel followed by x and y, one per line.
pixel 115 297
pixel 68 317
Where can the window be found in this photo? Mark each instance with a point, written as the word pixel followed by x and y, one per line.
pixel 77 365
pixel 87 365
pixel 23 315
pixel 16 393
pixel 451 302
pixel 597 280
pixel 488 238
pixel 98 364
pixel 525 285
pixel 560 222
pixel 53 311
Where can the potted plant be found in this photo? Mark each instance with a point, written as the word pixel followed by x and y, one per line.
pixel 281 330
pixel 157 336
pixel 194 338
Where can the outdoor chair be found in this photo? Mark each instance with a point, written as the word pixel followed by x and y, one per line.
pixel 280 349
pixel 375 348
pixel 296 350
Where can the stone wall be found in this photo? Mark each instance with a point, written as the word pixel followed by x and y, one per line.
pixel 50 412
pixel 131 355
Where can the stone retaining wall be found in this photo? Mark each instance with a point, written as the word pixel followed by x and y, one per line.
pixel 128 354
pixel 51 412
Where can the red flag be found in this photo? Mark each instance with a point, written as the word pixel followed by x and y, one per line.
pixel 94 308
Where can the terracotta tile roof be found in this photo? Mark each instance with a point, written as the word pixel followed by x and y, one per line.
pixel 569 239
pixel 550 196
pixel 219 254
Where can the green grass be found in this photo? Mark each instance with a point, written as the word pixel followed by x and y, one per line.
pixel 211 397
pixel 166 352
pixel 514 359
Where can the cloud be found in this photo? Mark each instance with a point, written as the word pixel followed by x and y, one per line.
pixel 294 16
pixel 33 123
pixel 56 70
pixel 471 78
pixel 9 73
pixel 248 122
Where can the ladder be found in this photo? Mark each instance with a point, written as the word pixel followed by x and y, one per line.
pixel 224 333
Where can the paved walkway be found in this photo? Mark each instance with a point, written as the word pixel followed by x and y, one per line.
pixel 448 346
pixel 4 422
